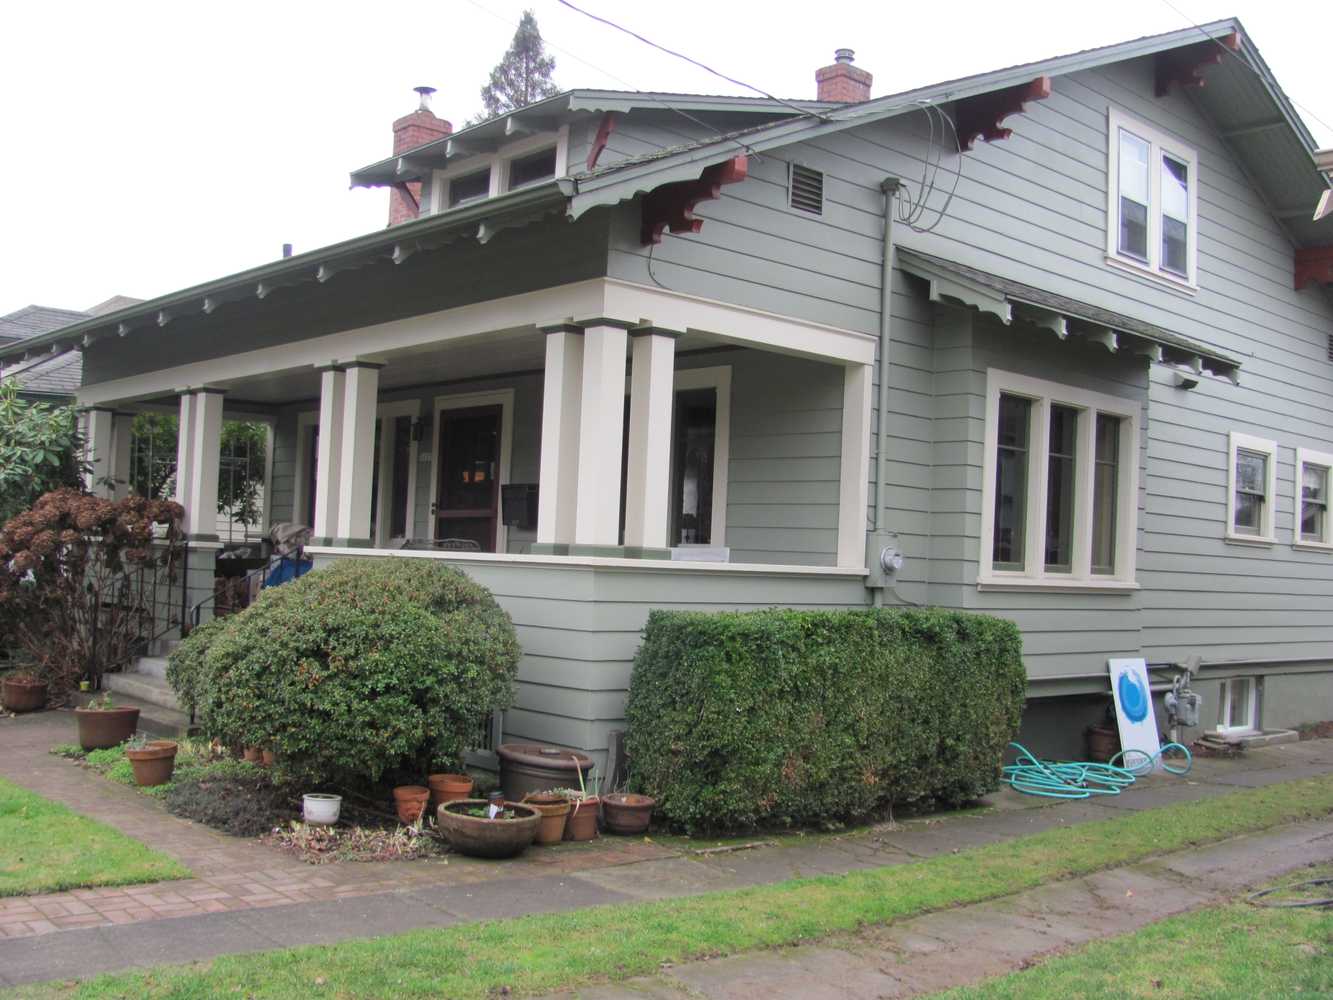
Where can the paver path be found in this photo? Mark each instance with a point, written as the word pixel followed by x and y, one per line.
pixel 249 897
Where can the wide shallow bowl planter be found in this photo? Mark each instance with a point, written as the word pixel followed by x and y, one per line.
pixel 100 728
pixel 410 800
pixel 532 767
pixel 21 695
pixel 154 763
pixel 448 788
pixel 627 813
pixel 554 810
pixel 320 808
pixel 487 838
pixel 582 821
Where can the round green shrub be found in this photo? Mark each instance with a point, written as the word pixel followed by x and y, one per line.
pixel 742 719
pixel 186 663
pixel 364 667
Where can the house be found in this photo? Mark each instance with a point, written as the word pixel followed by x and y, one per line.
pixel 623 348
pixel 49 379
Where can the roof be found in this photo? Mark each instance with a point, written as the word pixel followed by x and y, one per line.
pixel 1010 300
pixel 59 376
pixel 31 321
pixel 62 374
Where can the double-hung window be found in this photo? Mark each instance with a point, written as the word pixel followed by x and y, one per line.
pixel 1060 487
pixel 1314 476
pixel 1152 201
pixel 1251 489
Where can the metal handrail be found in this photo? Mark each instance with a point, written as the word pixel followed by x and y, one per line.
pixel 196 609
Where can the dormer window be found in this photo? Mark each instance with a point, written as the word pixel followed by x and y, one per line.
pixel 469 187
pixel 1152 201
pixel 474 176
pixel 532 168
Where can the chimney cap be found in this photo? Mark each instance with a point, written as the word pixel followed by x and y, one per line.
pixel 844 56
pixel 424 94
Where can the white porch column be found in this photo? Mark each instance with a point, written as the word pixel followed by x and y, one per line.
pixel 202 437
pixel 122 447
pixel 185 448
pixel 97 452
pixel 360 397
pixel 649 456
pixel 562 393
pixel 601 435
pixel 328 462
pixel 854 467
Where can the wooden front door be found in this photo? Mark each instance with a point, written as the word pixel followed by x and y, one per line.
pixel 467 493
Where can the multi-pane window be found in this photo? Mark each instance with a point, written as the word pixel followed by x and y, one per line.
pixel 530 169
pixel 1152 200
pixel 1252 481
pixel 1314 476
pixel 1059 501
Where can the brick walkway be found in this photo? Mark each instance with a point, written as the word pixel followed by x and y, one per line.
pixel 230 873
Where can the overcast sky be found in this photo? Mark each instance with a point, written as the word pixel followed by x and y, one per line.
pixel 149 146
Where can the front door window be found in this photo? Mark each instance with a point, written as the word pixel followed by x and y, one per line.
pixel 468 491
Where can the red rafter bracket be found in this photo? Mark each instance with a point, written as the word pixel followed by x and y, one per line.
pixel 671 206
pixel 980 116
pixel 1185 66
pixel 604 131
pixel 1314 264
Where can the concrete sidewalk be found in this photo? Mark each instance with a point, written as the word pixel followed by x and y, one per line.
pixel 248 897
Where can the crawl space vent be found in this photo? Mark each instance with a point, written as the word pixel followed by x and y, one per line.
pixel 807 189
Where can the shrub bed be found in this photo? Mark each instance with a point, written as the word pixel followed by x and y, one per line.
pixel 737 720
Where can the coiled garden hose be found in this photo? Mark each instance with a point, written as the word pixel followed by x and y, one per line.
pixel 1084 779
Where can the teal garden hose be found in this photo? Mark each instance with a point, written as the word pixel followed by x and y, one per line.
pixel 1084 779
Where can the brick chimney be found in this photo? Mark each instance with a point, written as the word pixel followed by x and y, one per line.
pixel 842 82
pixel 409 132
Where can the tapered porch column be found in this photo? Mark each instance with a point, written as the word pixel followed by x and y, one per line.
pixel 360 397
pixel 855 464
pixel 328 463
pixel 122 447
pixel 97 451
pixel 601 437
pixel 198 454
pixel 562 393
pixel 649 456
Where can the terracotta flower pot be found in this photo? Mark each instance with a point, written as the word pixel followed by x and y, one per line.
pixel 20 694
pixel 1103 742
pixel 582 821
pixel 554 811
pixel 154 763
pixel 266 758
pixel 627 813
pixel 100 728
pixel 487 838
pixel 410 800
pixel 448 788
pixel 253 755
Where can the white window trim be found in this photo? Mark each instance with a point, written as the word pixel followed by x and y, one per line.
pixel 1034 575
pixel 1268 535
pixel 498 163
pixel 1304 457
pixel 1224 696
pixel 503 398
pixel 1160 143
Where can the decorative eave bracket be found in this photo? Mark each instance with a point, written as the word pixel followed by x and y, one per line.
pixel 671 206
pixel 980 117
pixel 1185 66
pixel 1314 264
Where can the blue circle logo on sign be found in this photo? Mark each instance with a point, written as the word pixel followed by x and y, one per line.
pixel 1133 698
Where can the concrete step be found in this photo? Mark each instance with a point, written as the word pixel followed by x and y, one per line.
pixel 151 666
pixel 144 687
pixel 163 647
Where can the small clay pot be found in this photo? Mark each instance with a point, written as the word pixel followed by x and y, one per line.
pixel 582 822
pixel 448 788
pixel 410 801
pixel 627 813
pixel 154 763
pixel 266 758
pixel 20 694
pixel 253 755
pixel 554 810
pixel 100 728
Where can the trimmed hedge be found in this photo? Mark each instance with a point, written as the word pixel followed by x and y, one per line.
pixel 741 719
pixel 362 668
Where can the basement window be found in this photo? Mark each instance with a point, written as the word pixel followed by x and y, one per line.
pixel 1237 706
pixel 469 187
pixel 806 189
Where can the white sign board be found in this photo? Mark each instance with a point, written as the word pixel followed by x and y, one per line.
pixel 1134 712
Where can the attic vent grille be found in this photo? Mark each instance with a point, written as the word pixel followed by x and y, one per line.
pixel 807 189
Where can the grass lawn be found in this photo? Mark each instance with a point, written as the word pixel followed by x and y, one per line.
pixel 542 953
pixel 45 847
pixel 1230 951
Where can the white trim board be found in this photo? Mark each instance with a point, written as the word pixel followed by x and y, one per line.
pixel 504 398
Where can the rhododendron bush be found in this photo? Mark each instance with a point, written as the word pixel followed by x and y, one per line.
pixel 80 578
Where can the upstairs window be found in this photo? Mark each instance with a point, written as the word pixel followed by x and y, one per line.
pixel 469 187
pixel 1152 201
pixel 1314 476
pixel 530 169
pixel 1252 485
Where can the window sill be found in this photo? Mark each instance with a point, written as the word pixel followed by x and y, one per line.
pixel 1052 585
pixel 1156 277
pixel 1313 546
pixel 1253 540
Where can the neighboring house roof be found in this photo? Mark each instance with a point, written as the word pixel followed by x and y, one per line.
pixel 62 374
pixel 30 321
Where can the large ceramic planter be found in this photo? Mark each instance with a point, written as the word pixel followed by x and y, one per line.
pixel 20 695
pixel 448 788
pixel 100 728
pixel 530 767
pixel 321 809
pixel 554 811
pixel 411 801
pixel 154 763
pixel 627 813
pixel 487 838
pixel 582 821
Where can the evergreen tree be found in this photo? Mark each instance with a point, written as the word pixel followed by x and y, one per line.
pixel 523 75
